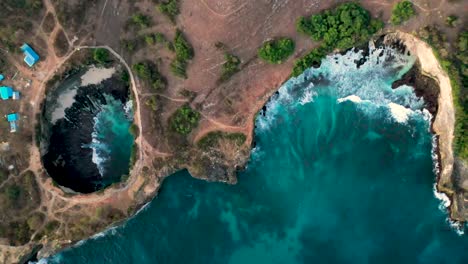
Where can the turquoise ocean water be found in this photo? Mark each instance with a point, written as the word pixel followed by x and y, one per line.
pixel 342 172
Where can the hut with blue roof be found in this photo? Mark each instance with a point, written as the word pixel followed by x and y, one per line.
pixel 2 77
pixel 12 119
pixel 6 92
pixel 31 56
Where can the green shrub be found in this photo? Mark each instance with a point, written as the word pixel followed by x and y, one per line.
pixel 211 139
pixel 182 47
pixel 149 72
pixel 178 67
pixel 276 51
pixel 230 67
pixel 402 12
pixel 184 120
pixel 149 39
pixel 152 103
pixel 129 44
pixel 170 9
pixel 184 53
pixel 13 192
pixel 101 55
pixel 141 20
pixel 160 38
pixel 451 21
pixel 342 28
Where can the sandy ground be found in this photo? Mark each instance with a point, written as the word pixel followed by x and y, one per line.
pixel 96 75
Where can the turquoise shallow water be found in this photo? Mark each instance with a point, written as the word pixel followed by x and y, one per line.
pixel 342 173
pixel 112 141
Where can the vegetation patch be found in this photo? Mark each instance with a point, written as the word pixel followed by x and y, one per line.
pixel 402 12
pixel 276 51
pixel 211 140
pixel 149 73
pixel 342 28
pixel 184 53
pixel 140 20
pixel 184 120
pixel 452 21
pixel 230 67
pixel 170 9
pixel 101 55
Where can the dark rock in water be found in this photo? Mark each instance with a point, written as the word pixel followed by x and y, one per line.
pixel 424 87
pixel 66 159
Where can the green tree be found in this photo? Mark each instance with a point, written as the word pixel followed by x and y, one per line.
pixel 141 20
pixel 230 67
pixel 184 52
pixel 184 120
pixel 276 51
pixel 101 55
pixel 170 9
pixel 402 12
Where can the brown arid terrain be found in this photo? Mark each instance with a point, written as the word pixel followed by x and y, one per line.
pixel 60 31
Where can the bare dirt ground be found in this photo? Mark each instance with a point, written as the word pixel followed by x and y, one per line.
pixel 241 25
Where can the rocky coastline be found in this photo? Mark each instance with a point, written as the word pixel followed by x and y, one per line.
pixel 426 73
pixel 426 76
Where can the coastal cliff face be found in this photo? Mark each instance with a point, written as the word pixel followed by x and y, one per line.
pixel 443 125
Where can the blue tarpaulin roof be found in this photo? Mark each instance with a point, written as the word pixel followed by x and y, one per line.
pixel 1 77
pixel 6 92
pixel 12 117
pixel 31 56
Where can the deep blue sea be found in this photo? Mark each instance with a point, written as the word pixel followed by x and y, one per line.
pixel 342 172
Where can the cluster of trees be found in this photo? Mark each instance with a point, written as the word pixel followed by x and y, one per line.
pixel 276 51
pixel 170 9
pixel 149 72
pixel 342 28
pixel 230 67
pixel 402 12
pixel 184 120
pixel 183 53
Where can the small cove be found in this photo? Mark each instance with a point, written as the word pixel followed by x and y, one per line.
pixel 86 143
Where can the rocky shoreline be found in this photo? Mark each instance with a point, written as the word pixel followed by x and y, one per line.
pixel 424 76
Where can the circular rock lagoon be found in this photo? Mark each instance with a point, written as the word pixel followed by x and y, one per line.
pixel 86 142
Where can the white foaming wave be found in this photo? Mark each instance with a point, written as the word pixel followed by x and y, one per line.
pixel 442 197
pixel 444 204
pixel 399 112
pixel 308 97
pixel 100 151
pixel 352 98
pixel 128 108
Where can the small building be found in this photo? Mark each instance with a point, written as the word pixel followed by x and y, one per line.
pixel 31 56
pixel 12 119
pixel 6 92
pixel 2 77
pixel 16 95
